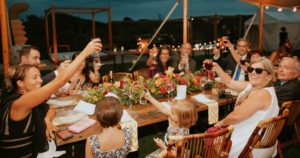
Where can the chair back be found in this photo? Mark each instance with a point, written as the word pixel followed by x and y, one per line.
pixel 294 110
pixel 204 145
pixel 144 72
pixel 265 134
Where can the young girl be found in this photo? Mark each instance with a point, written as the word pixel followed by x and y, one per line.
pixel 182 115
pixel 112 141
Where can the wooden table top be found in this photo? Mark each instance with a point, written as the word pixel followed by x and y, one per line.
pixel 143 114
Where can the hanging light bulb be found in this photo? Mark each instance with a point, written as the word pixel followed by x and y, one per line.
pixel 279 9
pixel 267 7
pixel 294 9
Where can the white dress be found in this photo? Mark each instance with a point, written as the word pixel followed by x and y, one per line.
pixel 243 130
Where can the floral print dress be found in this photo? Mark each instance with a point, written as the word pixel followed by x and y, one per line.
pixel 118 153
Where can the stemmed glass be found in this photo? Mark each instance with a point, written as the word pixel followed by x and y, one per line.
pixel 203 82
pixel 170 88
pixel 96 56
pixel 143 100
pixel 225 39
pixel 130 95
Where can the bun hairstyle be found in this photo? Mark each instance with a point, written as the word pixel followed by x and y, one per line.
pixel 13 75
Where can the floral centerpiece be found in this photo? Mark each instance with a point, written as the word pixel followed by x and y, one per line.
pixel 128 91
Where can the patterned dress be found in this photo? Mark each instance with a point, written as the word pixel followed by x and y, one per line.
pixel 118 153
pixel 170 132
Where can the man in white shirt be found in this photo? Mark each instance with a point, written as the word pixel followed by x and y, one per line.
pixel 229 64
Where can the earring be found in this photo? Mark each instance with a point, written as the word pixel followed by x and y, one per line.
pixel 21 91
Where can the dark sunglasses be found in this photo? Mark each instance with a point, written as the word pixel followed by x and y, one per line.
pixel 257 70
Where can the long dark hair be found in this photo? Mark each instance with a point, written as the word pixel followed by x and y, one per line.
pixel 85 71
pixel 159 63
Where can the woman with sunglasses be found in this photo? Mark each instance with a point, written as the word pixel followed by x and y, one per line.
pixel 257 101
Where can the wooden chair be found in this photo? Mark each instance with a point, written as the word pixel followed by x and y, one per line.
pixel 294 110
pixel 144 72
pixel 203 145
pixel 265 135
pixel 117 76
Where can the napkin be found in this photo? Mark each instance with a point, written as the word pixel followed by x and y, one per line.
pixel 213 107
pixel 85 107
pixel 128 122
pixel 51 152
pixel 61 103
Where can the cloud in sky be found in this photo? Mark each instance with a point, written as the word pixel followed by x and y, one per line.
pixel 143 9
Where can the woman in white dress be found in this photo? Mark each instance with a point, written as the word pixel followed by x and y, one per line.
pixel 257 101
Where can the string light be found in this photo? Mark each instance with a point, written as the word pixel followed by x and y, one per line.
pixel 294 9
pixel 267 7
pixel 279 9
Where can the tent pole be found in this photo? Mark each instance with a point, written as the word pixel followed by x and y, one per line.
pixel 4 35
pixel 185 21
pixel 261 17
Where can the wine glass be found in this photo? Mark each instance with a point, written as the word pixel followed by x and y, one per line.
pixel 67 57
pixel 203 82
pixel 225 40
pixel 96 55
pixel 143 100
pixel 170 88
pixel 130 95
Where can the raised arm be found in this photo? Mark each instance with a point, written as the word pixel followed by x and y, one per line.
pixel 22 106
pixel 157 104
pixel 227 80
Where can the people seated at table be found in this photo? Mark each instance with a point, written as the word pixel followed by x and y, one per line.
pixel 257 101
pixel 83 76
pixel 288 84
pixel 31 55
pixel 182 115
pixel 229 63
pixel 112 141
pixel 282 51
pixel 183 62
pixel 24 117
pixel 159 63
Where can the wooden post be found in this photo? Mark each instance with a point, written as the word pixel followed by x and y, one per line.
pixel 93 25
pixel 54 35
pixel 185 21
pixel 4 35
pixel 109 28
pixel 47 34
pixel 261 23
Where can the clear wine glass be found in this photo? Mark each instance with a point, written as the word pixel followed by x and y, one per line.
pixel 170 88
pixel 96 55
pixel 225 39
pixel 130 95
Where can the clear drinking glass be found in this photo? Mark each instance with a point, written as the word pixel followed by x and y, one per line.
pixel 96 56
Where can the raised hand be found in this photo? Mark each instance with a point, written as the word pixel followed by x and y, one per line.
pixel 94 45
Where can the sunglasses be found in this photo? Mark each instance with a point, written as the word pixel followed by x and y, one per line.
pixel 257 70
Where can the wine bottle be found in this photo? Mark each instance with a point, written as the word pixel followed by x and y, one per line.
pixel 111 80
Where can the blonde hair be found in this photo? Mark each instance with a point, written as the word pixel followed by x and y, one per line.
pixel 267 65
pixel 186 113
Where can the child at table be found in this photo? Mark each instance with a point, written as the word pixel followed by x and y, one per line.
pixel 112 141
pixel 181 115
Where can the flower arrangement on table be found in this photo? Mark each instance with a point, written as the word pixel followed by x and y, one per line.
pixel 128 91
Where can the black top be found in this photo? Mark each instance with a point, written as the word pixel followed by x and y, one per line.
pixel 24 138
pixel 288 91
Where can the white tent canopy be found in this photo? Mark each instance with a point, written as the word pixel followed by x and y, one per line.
pixel 273 21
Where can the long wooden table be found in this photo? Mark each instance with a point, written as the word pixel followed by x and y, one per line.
pixel 143 114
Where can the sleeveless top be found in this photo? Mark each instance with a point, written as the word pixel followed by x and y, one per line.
pixel 243 130
pixel 175 131
pixel 24 138
pixel 120 152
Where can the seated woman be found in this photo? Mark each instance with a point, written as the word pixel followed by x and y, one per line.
pixel 82 77
pixel 283 51
pixel 160 64
pixel 112 141
pixel 257 101
pixel 23 128
pixel 255 54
